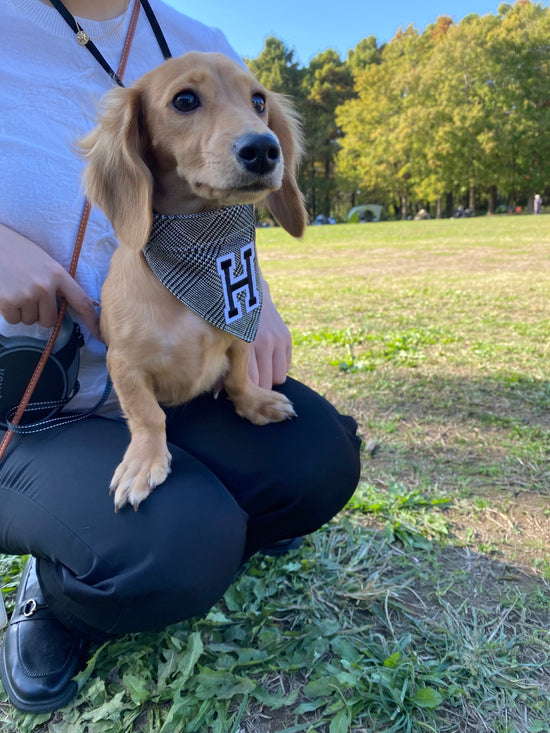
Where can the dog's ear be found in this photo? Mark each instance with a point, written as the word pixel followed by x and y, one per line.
pixel 117 178
pixel 287 204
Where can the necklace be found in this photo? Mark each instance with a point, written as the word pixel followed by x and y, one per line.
pixel 83 38
pixel 87 43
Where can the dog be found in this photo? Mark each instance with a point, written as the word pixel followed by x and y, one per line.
pixel 195 136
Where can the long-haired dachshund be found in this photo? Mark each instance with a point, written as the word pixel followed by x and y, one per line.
pixel 196 135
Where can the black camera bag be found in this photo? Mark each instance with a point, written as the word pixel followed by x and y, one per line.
pixel 58 383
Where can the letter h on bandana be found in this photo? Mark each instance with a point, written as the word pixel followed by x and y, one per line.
pixel 232 285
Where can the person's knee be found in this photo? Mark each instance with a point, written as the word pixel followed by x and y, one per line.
pixel 328 471
pixel 311 487
pixel 190 572
pixel 164 578
pixel 179 590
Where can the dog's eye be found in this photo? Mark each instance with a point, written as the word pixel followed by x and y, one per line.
pixel 258 102
pixel 186 101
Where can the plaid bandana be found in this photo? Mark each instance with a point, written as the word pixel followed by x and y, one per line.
pixel 208 261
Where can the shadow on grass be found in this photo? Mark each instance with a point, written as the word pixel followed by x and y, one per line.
pixel 479 435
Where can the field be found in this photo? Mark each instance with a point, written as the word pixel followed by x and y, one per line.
pixel 425 605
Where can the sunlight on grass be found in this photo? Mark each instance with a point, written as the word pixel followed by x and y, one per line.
pixel 425 605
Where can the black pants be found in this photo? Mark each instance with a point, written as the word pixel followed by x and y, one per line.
pixel 234 488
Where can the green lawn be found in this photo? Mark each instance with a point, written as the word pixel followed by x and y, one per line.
pixel 425 606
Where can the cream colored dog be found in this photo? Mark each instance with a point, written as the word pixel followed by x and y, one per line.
pixel 195 134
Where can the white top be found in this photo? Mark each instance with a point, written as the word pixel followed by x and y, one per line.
pixel 49 93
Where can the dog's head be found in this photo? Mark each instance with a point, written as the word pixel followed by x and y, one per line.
pixel 196 133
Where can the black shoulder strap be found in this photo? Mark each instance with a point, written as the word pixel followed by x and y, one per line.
pixel 159 35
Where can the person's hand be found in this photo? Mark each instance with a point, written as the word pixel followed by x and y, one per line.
pixel 271 350
pixel 31 282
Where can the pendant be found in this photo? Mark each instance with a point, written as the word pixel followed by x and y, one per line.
pixel 82 37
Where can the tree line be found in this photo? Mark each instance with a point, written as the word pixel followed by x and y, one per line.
pixel 456 115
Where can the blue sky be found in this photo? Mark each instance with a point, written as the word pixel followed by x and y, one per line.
pixel 311 26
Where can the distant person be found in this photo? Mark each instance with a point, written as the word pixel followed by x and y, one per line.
pixel 537 206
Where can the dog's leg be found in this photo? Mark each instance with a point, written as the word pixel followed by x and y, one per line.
pixel 146 463
pixel 260 406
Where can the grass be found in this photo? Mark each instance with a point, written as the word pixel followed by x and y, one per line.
pixel 425 606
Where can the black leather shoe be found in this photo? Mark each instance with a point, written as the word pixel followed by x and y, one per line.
pixel 39 656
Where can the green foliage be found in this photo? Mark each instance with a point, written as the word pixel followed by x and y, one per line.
pixel 366 52
pixel 330 637
pixel 455 109
pixel 276 68
pixel 327 83
pixel 459 110
pixel 202 676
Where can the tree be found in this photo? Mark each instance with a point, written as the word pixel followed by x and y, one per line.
pixel 365 53
pixel 379 126
pixel 484 95
pixel 460 110
pixel 276 68
pixel 327 82
pixel 521 124
pixel 452 94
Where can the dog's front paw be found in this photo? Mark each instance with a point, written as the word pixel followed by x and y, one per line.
pixel 137 475
pixel 264 406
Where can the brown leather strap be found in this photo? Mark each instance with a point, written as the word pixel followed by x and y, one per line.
pixel 72 267
pixel 79 237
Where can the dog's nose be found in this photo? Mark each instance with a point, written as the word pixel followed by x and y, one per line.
pixel 259 154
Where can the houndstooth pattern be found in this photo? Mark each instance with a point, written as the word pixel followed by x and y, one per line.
pixel 184 253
